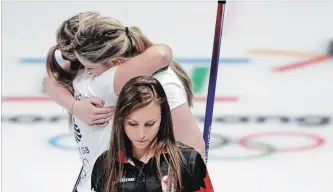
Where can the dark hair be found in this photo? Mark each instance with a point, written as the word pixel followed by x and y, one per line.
pixel 138 93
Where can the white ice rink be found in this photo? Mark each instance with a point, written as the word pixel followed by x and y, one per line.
pixel 29 158
pixel 275 136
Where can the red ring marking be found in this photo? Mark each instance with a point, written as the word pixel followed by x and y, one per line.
pixel 318 141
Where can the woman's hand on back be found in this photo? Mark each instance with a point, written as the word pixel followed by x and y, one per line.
pixel 92 112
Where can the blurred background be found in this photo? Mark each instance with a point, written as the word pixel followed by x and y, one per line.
pixel 272 126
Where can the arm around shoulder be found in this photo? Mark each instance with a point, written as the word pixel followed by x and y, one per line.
pixel 162 53
pixel 153 59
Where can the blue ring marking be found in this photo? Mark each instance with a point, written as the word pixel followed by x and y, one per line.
pixel 54 141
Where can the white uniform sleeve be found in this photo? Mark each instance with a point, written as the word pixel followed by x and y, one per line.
pixel 176 95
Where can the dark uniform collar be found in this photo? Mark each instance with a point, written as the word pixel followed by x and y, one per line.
pixel 124 157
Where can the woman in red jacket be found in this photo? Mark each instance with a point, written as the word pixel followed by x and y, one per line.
pixel 143 154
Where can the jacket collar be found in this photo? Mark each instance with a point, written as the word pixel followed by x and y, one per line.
pixel 122 157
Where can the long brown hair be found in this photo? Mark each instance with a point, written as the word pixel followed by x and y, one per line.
pixel 65 35
pixel 138 93
pixel 100 39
